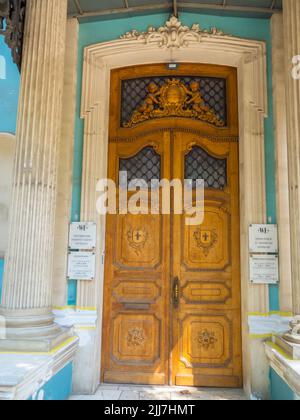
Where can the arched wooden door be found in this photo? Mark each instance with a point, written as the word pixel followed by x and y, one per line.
pixel 172 306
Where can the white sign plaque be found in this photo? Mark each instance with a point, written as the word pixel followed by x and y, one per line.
pixel 83 236
pixel 81 266
pixel 264 269
pixel 263 239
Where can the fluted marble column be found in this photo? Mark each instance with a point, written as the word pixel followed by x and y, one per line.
pixel 27 287
pixel 291 22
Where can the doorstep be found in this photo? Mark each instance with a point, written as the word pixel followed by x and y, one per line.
pixel 108 392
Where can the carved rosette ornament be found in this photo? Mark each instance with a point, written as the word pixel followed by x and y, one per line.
pixel 293 336
pixel 12 20
pixel 207 339
pixel 136 337
pixel 173 34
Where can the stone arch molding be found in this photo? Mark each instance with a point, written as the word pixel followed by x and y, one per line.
pixel 175 42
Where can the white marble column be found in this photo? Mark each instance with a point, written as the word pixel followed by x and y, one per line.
pixel 291 23
pixel 27 287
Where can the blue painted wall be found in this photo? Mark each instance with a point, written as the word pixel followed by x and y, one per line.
pixel 59 388
pixel 279 389
pixel 9 94
pixel 9 90
pixel 101 31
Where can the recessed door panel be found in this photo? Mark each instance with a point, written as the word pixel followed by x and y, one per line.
pixel 136 303
pixel 138 241
pixel 207 244
pixel 206 321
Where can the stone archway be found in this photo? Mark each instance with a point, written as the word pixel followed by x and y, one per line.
pixel 178 43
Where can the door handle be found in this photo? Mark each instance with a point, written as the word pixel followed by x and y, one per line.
pixel 176 290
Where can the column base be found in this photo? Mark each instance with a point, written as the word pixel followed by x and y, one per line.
pixel 287 370
pixel 31 331
pixel 293 336
pixel 33 376
pixel 291 349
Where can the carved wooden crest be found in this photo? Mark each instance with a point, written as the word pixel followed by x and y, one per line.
pixel 205 239
pixel 174 99
pixel 137 239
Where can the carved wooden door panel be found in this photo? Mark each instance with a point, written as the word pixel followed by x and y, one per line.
pixel 172 310
pixel 206 322
pixel 136 317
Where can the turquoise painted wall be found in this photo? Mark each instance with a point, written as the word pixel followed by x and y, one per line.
pixel 59 388
pixel 9 90
pixel 280 391
pixel 9 94
pixel 101 31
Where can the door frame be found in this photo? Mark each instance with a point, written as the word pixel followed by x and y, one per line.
pixel 249 57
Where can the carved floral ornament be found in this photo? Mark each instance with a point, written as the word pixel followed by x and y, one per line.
pixel 136 337
pixel 173 34
pixel 207 339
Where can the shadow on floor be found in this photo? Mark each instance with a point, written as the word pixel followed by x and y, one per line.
pixel 156 393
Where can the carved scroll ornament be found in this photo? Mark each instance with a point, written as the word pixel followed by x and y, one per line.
pixel 173 34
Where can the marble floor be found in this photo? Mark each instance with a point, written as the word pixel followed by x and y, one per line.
pixel 156 393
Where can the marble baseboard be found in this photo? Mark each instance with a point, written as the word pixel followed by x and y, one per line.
pixel 284 366
pixel 23 375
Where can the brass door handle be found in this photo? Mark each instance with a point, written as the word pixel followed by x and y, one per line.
pixel 176 289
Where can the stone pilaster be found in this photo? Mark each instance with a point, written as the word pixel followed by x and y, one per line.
pixel 282 179
pixel 27 287
pixel 291 22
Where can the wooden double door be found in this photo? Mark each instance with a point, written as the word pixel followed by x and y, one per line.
pixel 172 289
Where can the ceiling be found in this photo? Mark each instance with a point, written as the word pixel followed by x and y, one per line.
pixel 104 8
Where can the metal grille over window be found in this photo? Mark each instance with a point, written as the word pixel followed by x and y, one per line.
pixel 212 90
pixel 200 165
pixel 146 166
